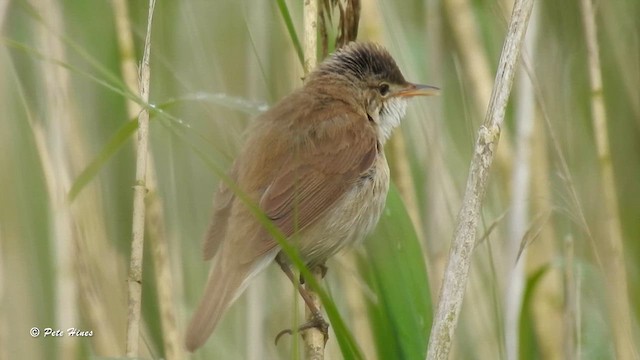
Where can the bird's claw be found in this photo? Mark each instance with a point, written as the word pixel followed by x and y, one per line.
pixel 323 272
pixel 317 322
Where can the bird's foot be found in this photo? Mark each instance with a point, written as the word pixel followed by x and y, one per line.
pixel 323 272
pixel 317 322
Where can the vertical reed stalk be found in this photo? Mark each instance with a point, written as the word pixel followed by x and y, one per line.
pixel 457 270
pixel 520 193
pixel 611 246
pixel 155 218
pixel 52 140
pixel 140 189
pixel 314 341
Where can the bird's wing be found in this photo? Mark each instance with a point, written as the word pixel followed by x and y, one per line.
pixel 221 211
pixel 317 172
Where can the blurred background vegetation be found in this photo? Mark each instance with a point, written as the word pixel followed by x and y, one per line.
pixel 555 273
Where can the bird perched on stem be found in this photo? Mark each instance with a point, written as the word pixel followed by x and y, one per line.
pixel 314 164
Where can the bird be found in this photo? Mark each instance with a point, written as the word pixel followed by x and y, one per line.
pixel 314 164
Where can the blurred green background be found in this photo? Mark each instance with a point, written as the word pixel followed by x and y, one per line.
pixel 548 280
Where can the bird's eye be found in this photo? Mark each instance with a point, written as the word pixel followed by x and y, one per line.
pixel 384 89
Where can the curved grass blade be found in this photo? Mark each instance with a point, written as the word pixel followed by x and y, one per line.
pixel 529 347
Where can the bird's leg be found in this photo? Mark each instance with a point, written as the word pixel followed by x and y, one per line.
pixel 317 321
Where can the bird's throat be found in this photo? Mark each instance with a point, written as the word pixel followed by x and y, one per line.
pixel 391 113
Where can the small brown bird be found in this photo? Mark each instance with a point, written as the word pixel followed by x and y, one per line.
pixel 314 163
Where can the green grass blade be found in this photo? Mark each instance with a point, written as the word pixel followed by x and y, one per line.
pixel 395 268
pixel 113 145
pixel 286 16
pixel 529 347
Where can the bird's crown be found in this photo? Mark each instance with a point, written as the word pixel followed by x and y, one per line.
pixel 362 61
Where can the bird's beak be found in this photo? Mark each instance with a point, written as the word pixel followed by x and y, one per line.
pixel 418 90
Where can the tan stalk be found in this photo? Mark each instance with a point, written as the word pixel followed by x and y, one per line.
pixel 520 195
pixel 611 246
pixel 4 5
pixel 155 218
pixel 56 163
pixel 457 270
pixel 314 341
pixel 134 280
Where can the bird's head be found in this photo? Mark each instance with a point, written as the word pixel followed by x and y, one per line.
pixel 372 77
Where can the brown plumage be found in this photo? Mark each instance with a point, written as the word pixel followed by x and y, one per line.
pixel 314 164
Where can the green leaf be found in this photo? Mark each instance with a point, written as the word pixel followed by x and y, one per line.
pixel 529 347
pixel 286 16
pixel 396 271
pixel 113 145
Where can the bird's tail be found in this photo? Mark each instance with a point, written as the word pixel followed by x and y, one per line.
pixel 226 283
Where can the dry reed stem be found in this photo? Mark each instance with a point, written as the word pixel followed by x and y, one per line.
pixel 4 5
pixel 171 336
pixel 611 247
pixel 155 218
pixel 310 46
pixel 520 193
pixel 135 267
pixel 457 270
pixel 57 167
pixel 314 341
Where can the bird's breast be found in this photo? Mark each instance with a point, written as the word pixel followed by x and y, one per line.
pixel 352 217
